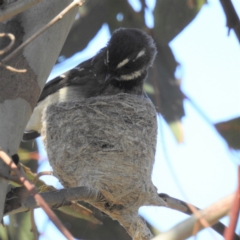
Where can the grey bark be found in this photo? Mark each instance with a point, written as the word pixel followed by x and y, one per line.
pixel 19 91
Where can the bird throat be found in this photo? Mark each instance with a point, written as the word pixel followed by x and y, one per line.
pixel 134 86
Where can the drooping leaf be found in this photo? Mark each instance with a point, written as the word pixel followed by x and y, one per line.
pixel 230 131
pixel 167 97
pixel 79 211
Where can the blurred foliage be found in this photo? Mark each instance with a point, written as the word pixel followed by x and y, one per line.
pixel 19 228
pixel 108 230
pixel 25 155
pixel 20 224
pixel 230 131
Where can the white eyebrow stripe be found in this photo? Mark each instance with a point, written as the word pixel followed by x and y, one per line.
pixel 132 76
pixel 141 53
pixel 124 62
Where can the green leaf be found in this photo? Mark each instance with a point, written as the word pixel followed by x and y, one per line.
pixel 177 130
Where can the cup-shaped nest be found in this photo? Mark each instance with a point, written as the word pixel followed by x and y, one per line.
pixel 106 143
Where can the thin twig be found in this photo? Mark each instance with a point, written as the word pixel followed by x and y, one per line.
pixel 42 174
pixel 48 25
pixel 12 69
pixel 212 214
pixel 6 49
pixel 34 229
pixel 230 231
pixel 10 45
pixel 16 8
pixel 179 205
pixel 37 197
pixel 202 220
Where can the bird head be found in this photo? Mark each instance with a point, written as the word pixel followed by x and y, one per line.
pixel 128 54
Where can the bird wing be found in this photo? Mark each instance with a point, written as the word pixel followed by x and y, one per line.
pixel 76 76
pixel 52 87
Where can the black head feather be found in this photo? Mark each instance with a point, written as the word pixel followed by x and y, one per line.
pixel 129 53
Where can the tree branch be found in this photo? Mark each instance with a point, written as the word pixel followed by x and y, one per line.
pixel 186 228
pixel 233 21
pixel 234 213
pixel 18 202
pixel 59 197
pixel 54 199
pixel 181 206
pixel 12 69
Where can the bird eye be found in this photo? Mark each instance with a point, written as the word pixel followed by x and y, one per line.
pixel 127 66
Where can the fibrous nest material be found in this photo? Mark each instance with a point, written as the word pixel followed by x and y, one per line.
pixel 106 143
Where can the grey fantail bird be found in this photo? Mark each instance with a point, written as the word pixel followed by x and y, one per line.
pixel 120 67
